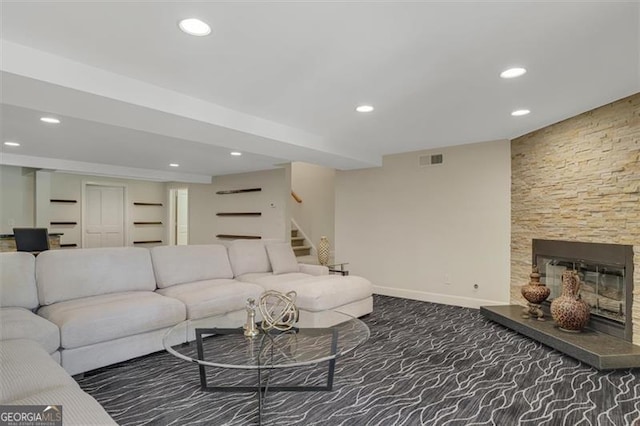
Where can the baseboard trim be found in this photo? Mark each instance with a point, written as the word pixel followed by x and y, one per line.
pixel 445 299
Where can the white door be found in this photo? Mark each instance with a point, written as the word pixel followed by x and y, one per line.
pixel 104 218
pixel 182 217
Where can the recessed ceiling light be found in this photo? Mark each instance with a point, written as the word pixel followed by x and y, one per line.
pixel 520 112
pixel 174 165
pixel 364 108
pixel 236 153
pixel 195 27
pixel 50 120
pixel 513 72
pixel 9 143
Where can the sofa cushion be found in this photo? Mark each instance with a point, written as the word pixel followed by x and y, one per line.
pixel 213 297
pixel 184 264
pixel 102 318
pixel 20 323
pixel 71 274
pixel 316 293
pixel 282 258
pixel 268 279
pixel 27 369
pixel 248 256
pixel 18 280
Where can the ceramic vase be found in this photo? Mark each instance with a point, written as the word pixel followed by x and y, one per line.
pixel 323 251
pixel 535 292
pixel 569 311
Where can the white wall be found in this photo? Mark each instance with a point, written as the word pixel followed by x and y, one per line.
pixel 17 196
pixel 315 185
pixel 201 213
pixel 69 186
pixel 430 232
pixel 17 203
pixel 272 201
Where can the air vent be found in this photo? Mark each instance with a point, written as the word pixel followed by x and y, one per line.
pixel 427 160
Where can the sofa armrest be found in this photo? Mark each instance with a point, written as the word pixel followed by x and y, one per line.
pixel 313 269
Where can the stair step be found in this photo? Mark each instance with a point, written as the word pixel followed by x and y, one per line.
pixel 302 250
pixel 297 241
pixel 294 232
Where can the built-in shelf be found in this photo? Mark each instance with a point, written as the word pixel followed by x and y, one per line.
pixel 238 237
pixel 57 200
pixel 148 242
pixel 147 204
pixel 69 245
pixel 147 223
pixel 240 214
pixel 63 223
pixel 238 191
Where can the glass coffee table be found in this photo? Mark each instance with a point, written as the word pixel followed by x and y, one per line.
pixel 319 337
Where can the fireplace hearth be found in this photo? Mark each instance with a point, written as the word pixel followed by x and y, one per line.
pixel 606 273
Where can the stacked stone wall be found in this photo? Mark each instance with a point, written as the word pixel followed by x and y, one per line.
pixel 578 180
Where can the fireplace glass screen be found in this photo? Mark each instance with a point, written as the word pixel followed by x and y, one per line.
pixel 601 286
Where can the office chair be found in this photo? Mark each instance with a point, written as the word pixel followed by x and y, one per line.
pixel 33 240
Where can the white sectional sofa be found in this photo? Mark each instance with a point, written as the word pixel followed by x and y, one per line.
pixel 96 307
pixel 30 371
pixel 273 266
pixel 200 276
pixel 18 298
pixel 105 305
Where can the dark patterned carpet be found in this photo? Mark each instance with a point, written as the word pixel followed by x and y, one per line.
pixel 425 364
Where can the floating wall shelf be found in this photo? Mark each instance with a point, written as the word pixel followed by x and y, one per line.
pixel 238 237
pixel 238 191
pixel 63 223
pixel 148 242
pixel 147 204
pixel 240 214
pixel 147 223
pixel 57 200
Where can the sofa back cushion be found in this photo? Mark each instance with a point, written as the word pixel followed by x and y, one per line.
pixel 248 256
pixel 184 264
pixel 71 274
pixel 18 280
pixel 282 258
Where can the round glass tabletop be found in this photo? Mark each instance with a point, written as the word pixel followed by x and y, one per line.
pixel 317 337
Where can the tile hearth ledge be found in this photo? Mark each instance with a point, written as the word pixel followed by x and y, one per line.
pixel 599 350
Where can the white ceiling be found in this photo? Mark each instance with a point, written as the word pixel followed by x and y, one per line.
pixel 280 80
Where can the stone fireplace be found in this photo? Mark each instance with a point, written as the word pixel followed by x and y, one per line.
pixel 579 180
pixel 606 275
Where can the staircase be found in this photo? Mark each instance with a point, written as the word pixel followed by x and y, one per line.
pixel 300 248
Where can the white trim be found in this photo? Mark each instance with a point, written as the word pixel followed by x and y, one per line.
pixel 314 251
pixel 96 169
pixel 172 216
pixel 125 201
pixel 446 299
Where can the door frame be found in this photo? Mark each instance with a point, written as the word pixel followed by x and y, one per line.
pixel 173 219
pixel 125 205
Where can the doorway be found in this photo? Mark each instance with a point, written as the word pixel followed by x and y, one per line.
pixel 179 216
pixel 103 215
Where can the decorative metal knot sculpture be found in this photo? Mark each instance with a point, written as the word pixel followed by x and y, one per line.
pixel 278 310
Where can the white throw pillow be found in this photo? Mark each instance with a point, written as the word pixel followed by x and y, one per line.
pixel 282 258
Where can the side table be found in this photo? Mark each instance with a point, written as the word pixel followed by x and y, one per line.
pixel 338 268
